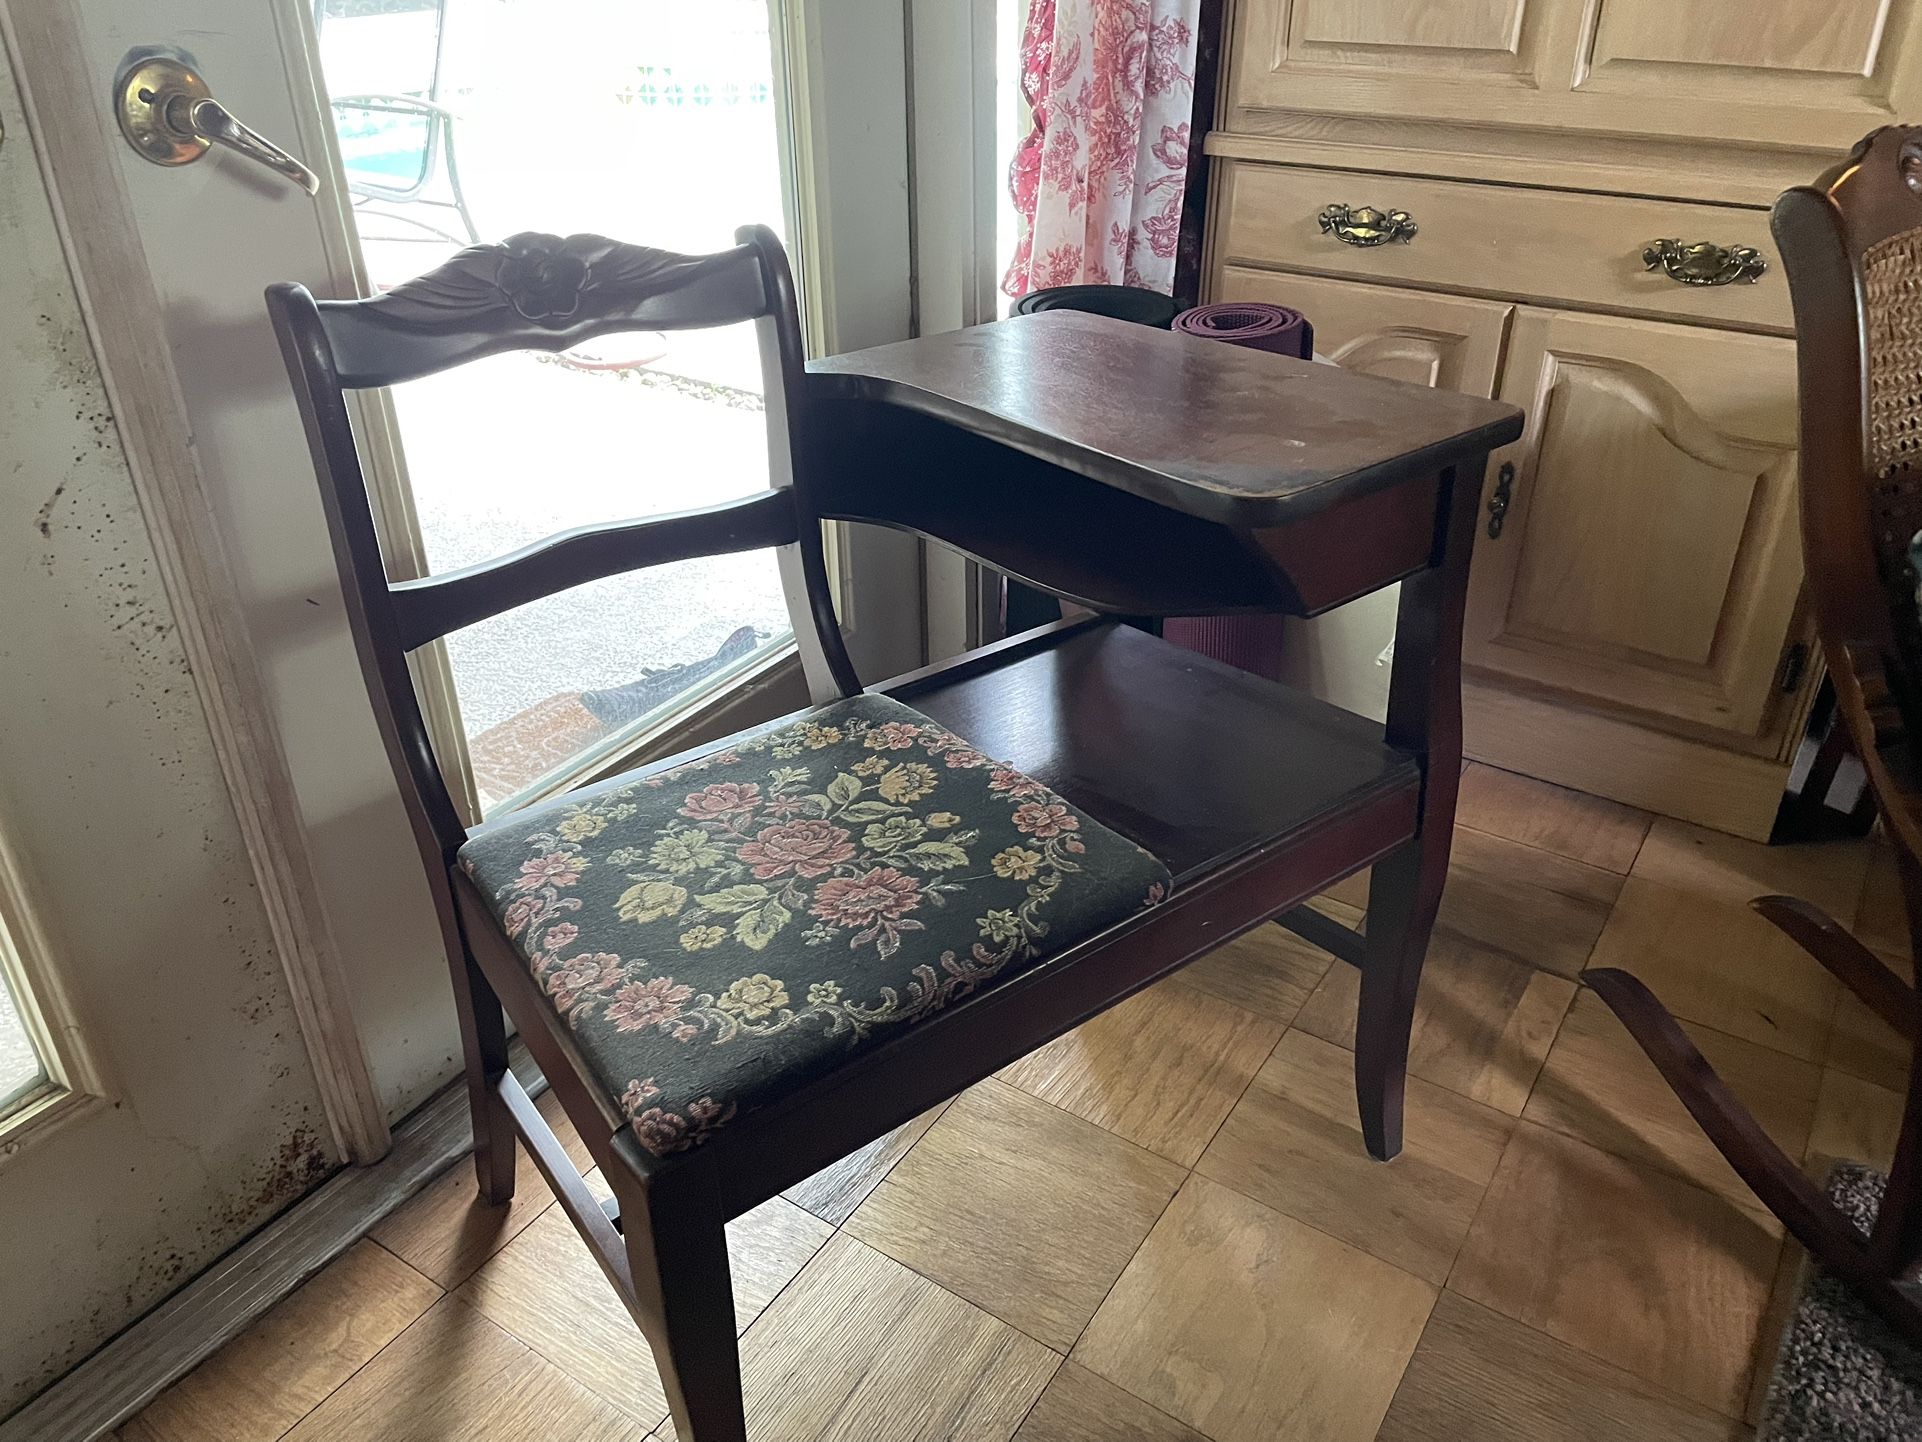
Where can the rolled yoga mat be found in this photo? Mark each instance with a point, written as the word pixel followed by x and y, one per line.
pixel 1123 302
pixel 1277 329
pixel 1252 643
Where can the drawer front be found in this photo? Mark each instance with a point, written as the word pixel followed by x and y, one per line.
pixel 1400 335
pixel 1560 247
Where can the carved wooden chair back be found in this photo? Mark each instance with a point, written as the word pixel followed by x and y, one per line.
pixel 540 292
pixel 1852 245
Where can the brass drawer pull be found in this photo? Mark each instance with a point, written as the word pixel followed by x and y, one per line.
pixel 1705 264
pixel 1364 225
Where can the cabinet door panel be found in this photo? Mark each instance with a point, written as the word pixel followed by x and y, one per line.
pixel 1403 335
pixel 1838 37
pixel 1650 557
pixel 1379 45
pixel 1850 62
pixel 1458 26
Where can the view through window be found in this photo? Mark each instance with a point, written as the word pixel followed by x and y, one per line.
pixel 647 121
pixel 22 1073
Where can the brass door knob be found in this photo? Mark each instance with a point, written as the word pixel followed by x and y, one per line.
pixel 168 114
pixel 1704 263
pixel 1365 225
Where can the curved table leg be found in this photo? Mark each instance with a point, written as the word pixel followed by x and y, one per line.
pixel 1404 894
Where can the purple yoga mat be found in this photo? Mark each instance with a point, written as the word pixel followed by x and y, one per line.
pixel 1254 643
pixel 1274 328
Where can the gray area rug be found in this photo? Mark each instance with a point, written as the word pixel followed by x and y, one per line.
pixel 1843 1374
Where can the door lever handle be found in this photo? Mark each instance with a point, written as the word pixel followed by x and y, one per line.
pixel 170 116
pixel 211 120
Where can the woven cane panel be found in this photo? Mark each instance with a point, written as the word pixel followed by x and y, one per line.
pixel 1892 273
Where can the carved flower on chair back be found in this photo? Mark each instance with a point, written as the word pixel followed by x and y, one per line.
pixel 542 276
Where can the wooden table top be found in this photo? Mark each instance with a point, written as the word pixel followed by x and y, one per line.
pixel 1218 431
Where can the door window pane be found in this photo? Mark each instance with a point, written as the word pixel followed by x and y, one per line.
pixel 22 1073
pixel 652 123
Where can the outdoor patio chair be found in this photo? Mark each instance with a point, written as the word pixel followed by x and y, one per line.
pixel 413 142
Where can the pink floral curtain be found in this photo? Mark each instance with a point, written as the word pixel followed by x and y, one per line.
pixel 1099 179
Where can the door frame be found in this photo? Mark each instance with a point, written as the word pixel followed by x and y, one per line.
pixel 954 184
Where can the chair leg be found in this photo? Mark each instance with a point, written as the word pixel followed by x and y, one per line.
pixel 1404 894
pixel 685 1296
pixel 483 1035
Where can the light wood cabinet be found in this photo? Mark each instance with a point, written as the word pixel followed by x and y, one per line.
pixel 1634 622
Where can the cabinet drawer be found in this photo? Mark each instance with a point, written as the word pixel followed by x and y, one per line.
pixel 1400 335
pixel 1548 245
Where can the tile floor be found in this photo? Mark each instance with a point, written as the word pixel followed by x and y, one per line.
pixel 1163 1228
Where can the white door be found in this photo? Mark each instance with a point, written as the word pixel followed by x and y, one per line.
pixel 568 115
pixel 140 989
pixel 665 124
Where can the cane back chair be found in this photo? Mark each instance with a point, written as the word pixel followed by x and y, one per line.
pixel 737 966
pixel 1852 245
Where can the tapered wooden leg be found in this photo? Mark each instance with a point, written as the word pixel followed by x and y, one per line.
pixel 483 1035
pixel 1425 720
pixel 1402 901
pixel 683 1291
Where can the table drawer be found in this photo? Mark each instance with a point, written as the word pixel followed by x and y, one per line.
pixel 1563 247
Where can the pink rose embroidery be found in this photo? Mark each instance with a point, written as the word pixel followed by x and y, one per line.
pixel 659 1131
pixel 520 911
pixel 881 895
pixel 892 736
pixel 571 982
pixel 641 1004
pixel 1042 820
pixel 1012 783
pixel 807 848
pixel 723 801
pixel 638 1094
pixel 557 868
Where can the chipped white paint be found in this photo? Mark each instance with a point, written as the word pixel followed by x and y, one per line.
pixel 132 861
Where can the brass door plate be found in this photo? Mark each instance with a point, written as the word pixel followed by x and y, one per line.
pixel 148 93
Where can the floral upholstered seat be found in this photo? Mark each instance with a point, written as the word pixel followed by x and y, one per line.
pixel 720 933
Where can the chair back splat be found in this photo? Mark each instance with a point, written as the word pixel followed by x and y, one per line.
pixel 546 293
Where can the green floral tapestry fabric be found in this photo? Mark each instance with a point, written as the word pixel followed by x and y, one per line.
pixel 718 934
